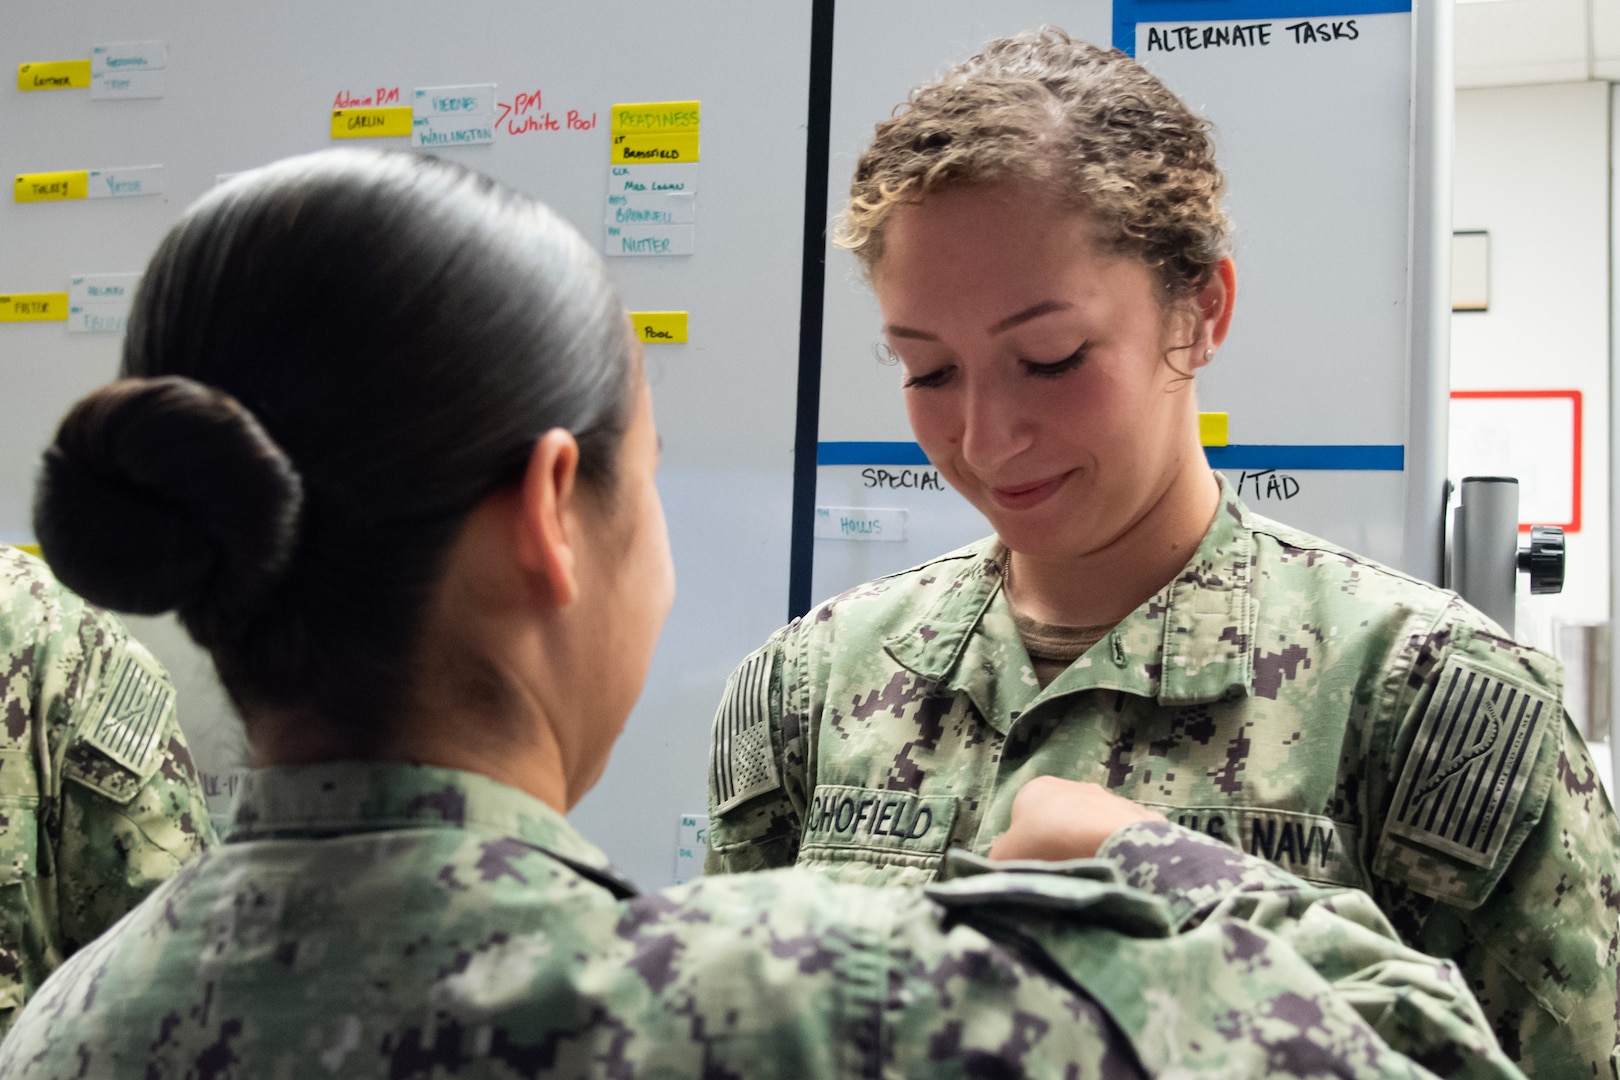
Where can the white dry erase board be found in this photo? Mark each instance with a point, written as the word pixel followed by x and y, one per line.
pixel 1334 378
pixel 246 84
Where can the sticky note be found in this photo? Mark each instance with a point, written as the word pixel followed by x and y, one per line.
pixel 117 289
pixel 51 186
pixel 660 327
pixel 634 179
pixel 129 85
pixel 441 130
pixel 652 208
pixel 655 116
pixel 129 56
pixel 643 240
pixel 476 99
pixel 670 147
pixel 372 123
pixel 100 303
pixel 126 182
pixel 34 307
pixel 1212 428
pixel 54 75
pixel 862 524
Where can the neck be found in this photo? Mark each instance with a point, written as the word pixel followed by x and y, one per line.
pixel 1103 586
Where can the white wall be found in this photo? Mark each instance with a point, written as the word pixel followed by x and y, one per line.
pixel 1532 168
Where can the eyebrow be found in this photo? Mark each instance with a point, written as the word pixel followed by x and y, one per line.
pixel 1034 311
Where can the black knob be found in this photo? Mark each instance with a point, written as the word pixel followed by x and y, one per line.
pixel 1543 560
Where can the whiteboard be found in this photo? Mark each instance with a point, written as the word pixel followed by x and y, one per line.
pixel 247 84
pixel 1334 374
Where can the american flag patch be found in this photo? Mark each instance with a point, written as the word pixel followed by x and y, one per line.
pixel 133 709
pixel 740 755
pixel 1471 763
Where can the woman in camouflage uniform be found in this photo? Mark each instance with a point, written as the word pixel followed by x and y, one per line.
pixel 1043 230
pixel 385 443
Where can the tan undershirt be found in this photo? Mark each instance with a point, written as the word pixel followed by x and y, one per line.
pixel 1053 648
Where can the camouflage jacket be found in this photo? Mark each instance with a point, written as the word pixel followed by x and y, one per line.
pixel 99 801
pixel 373 919
pixel 1352 724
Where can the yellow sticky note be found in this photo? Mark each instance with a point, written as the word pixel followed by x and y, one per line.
pixel 1212 428
pixel 51 186
pixel 378 123
pixel 30 549
pixel 54 75
pixel 660 327
pixel 34 307
pixel 652 117
pixel 651 149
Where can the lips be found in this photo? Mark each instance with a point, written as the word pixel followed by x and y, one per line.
pixel 1026 496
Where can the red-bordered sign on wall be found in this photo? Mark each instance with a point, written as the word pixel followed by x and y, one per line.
pixel 1532 435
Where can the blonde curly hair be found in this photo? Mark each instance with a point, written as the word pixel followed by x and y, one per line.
pixel 1108 137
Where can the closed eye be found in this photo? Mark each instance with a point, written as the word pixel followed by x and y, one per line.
pixel 1057 367
pixel 930 379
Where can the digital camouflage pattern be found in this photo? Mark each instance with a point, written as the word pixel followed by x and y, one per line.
pixel 371 919
pixel 99 800
pixel 1352 724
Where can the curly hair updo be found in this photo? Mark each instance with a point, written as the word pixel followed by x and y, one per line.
pixel 1105 135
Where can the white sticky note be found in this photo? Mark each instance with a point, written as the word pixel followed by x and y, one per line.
pixel 477 99
pixel 652 208
pixel 121 85
pixel 99 303
pixel 97 319
pixel 650 240
pixel 636 179
pixel 128 56
pixel 863 524
pixel 126 182
pixel 691 842
pixel 115 289
pixel 441 131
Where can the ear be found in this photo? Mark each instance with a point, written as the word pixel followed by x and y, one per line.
pixel 548 516
pixel 1214 304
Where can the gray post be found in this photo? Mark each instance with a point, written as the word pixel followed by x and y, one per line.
pixel 1485 546
pixel 1429 345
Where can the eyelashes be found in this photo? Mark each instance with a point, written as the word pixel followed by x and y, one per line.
pixel 1058 368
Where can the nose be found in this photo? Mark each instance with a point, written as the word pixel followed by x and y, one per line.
pixel 996 426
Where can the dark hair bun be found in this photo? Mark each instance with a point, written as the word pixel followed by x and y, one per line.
pixel 164 494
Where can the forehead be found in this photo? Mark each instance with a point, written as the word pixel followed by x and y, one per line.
pixel 1004 246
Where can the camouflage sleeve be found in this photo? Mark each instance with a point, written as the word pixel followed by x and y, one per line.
pixel 757 775
pixel 81 702
pixel 1498 847
pixel 132 809
pixel 1419 1006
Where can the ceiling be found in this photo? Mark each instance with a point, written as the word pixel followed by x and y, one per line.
pixel 1507 42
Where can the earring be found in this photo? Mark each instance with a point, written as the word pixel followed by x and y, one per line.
pixel 1209 354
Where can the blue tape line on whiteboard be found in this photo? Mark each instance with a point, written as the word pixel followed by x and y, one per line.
pixel 1240 456
pixel 870 453
pixel 1336 458
pixel 1127 13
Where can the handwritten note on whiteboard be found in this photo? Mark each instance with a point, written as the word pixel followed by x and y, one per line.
pixel 53 75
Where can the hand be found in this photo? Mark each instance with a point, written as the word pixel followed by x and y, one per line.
pixel 1055 819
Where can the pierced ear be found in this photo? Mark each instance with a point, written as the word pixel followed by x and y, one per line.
pixel 1214 303
pixel 548 514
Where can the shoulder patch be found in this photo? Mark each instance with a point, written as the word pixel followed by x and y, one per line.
pixel 740 754
pixel 128 726
pixel 1470 765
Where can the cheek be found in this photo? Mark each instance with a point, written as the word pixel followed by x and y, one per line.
pixel 934 415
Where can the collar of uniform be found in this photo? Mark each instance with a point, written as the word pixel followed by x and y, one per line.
pixel 342 797
pixel 1188 644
